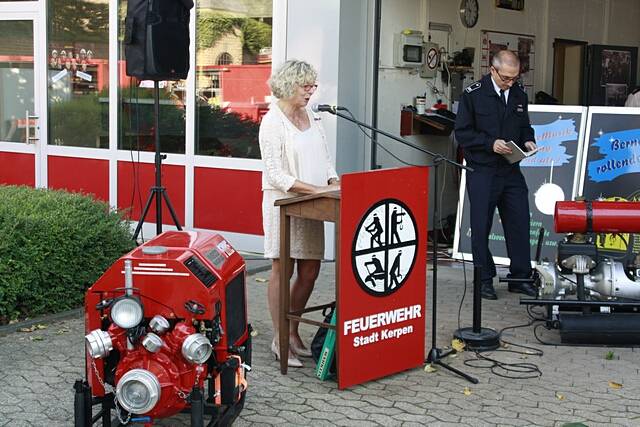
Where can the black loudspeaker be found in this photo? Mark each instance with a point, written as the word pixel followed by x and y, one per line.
pixel 157 39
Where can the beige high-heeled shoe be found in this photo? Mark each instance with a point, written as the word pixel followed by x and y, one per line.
pixel 292 361
pixel 299 351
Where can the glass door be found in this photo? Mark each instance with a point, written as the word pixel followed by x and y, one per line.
pixel 20 95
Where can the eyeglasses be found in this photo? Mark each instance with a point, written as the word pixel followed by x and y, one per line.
pixel 506 79
pixel 309 88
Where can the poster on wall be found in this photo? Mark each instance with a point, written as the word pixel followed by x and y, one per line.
pixel 610 74
pixel 552 174
pixel 612 169
pixel 616 76
pixel 522 45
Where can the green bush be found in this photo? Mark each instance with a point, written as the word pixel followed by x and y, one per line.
pixel 53 246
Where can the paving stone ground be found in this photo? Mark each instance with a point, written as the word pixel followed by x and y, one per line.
pixel 38 369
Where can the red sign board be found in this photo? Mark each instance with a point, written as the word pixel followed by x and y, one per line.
pixel 382 273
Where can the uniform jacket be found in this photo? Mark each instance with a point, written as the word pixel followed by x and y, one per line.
pixel 482 119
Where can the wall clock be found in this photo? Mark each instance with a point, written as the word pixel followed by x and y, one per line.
pixel 469 12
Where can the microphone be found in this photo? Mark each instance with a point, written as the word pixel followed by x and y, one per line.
pixel 326 108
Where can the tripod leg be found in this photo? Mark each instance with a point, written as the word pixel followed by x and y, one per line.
pixel 176 221
pixel 469 378
pixel 144 214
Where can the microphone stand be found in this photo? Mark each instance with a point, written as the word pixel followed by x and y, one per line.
pixel 435 354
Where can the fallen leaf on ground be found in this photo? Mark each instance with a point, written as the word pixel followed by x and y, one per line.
pixel 41 326
pixel 29 329
pixel 467 391
pixel 429 368
pixel 61 331
pixel 559 396
pixel 609 355
pixel 254 333
pixel 574 425
pixel 261 280
pixel 458 345
pixel 36 338
pixel 614 385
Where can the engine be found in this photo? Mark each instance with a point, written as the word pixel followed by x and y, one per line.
pixel 604 276
pixel 592 293
pixel 167 332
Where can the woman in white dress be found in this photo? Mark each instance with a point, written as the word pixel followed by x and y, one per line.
pixel 296 161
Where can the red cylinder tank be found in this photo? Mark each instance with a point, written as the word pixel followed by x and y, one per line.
pixel 597 216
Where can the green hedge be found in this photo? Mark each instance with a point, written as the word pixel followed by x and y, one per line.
pixel 53 246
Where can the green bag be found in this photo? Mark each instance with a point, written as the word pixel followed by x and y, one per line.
pixel 327 355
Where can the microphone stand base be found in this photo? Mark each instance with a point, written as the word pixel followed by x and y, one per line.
pixel 435 358
pixel 485 340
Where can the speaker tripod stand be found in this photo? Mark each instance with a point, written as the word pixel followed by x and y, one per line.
pixel 157 192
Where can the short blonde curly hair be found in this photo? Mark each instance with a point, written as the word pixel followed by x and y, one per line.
pixel 291 75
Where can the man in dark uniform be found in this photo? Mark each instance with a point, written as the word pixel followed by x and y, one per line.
pixel 492 112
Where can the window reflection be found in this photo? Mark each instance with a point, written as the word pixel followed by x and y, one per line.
pixel 16 79
pixel 78 72
pixel 136 121
pixel 233 42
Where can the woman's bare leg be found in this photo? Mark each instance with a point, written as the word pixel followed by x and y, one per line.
pixel 308 270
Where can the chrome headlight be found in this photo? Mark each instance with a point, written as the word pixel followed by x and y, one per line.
pixel 98 343
pixel 196 348
pixel 126 313
pixel 138 391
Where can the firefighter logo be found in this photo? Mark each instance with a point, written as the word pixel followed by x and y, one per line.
pixel 384 247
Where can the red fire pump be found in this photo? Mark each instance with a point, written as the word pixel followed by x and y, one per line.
pixel 592 290
pixel 167 332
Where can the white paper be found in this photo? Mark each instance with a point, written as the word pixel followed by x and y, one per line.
pixel 59 75
pixel 84 76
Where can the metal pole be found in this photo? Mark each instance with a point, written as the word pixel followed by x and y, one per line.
pixel 156 87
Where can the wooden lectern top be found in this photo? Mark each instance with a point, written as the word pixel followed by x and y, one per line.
pixel 322 206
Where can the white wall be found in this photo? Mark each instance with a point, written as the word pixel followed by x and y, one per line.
pixel 354 83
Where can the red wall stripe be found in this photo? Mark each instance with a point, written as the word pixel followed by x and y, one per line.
pixel 228 200
pixel 88 176
pixel 17 169
pixel 134 184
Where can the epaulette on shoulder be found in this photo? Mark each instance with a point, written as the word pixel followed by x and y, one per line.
pixel 472 87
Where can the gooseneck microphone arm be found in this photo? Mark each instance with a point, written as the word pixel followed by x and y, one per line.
pixel 334 109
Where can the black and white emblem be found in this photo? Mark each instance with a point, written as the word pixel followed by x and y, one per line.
pixel 384 247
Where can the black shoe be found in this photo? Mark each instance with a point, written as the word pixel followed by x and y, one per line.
pixel 487 291
pixel 523 288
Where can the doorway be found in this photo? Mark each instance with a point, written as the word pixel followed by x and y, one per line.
pixel 21 93
pixel 568 71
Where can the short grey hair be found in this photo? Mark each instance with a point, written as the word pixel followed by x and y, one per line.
pixel 505 57
pixel 291 75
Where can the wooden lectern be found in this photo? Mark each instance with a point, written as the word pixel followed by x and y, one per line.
pixel 321 207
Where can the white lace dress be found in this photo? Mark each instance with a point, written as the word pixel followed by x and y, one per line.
pixel 289 154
